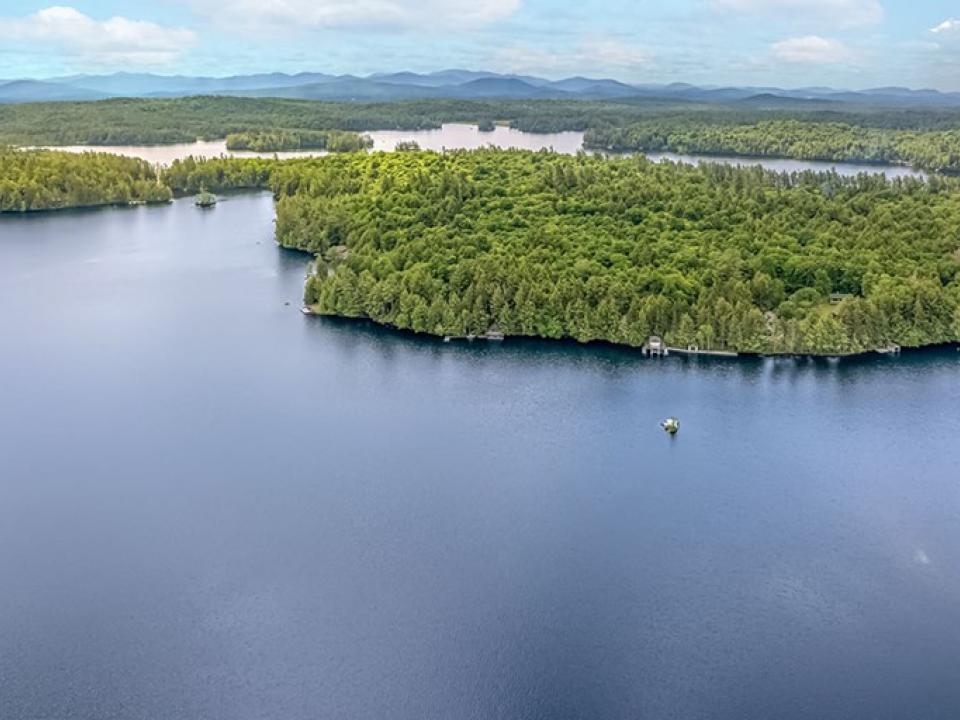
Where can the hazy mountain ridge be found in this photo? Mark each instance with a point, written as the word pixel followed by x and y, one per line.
pixel 451 84
pixel 25 91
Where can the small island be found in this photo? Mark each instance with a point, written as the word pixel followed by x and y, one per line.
pixel 406 146
pixel 205 199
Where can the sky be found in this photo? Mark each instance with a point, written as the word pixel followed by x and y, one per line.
pixel 852 44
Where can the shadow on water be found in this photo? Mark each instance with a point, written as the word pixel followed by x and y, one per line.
pixel 75 213
pixel 616 359
pixel 293 262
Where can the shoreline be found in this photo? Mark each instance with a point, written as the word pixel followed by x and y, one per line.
pixel 723 355
pixel 870 166
pixel 750 160
pixel 90 207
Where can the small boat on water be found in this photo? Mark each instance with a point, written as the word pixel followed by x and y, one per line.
pixel 671 425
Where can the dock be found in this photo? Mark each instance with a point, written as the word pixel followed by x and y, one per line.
pixel 694 350
pixel 656 347
pixel 491 336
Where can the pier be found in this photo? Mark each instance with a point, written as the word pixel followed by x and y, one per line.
pixel 656 347
pixel 696 350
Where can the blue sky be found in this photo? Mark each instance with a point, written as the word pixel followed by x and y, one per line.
pixel 842 43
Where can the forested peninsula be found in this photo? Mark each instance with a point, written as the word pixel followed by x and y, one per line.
pixel 935 150
pixel 45 180
pixel 581 247
pixel 544 245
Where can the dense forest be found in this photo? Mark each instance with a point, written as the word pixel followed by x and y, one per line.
pixel 191 175
pixel 139 121
pixel 280 140
pixel 583 247
pixel 126 121
pixel 937 150
pixel 42 180
pixel 588 248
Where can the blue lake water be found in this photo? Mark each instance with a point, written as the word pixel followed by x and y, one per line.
pixel 213 507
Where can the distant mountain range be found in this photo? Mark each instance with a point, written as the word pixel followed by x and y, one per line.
pixel 451 84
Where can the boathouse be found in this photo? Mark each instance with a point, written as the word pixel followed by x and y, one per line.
pixel 655 346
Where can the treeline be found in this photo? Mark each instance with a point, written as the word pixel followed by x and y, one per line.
pixel 539 244
pixel 190 175
pixel 937 150
pixel 52 180
pixel 43 180
pixel 178 120
pixel 581 247
pixel 292 140
pixel 145 121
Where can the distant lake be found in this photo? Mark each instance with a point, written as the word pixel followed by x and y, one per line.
pixel 458 136
pixel 215 508
pixel 790 166
pixel 453 136
pixel 166 154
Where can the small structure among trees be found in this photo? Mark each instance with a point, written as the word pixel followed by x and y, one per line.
pixel 655 346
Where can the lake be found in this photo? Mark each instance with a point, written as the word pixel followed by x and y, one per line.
pixel 790 166
pixel 453 136
pixel 458 136
pixel 213 507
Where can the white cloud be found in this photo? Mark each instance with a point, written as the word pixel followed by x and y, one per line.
pixel 591 56
pixel 81 38
pixel 812 49
pixel 837 13
pixel 425 15
pixel 947 27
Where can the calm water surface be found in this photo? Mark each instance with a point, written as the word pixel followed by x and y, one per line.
pixel 166 154
pixel 212 507
pixel 457 136
pixel 790 166
pixel 453 136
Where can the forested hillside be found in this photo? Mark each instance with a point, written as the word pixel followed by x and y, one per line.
pixel 42 180
pixel 937 150
pixel 554 246
pixel 121 122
